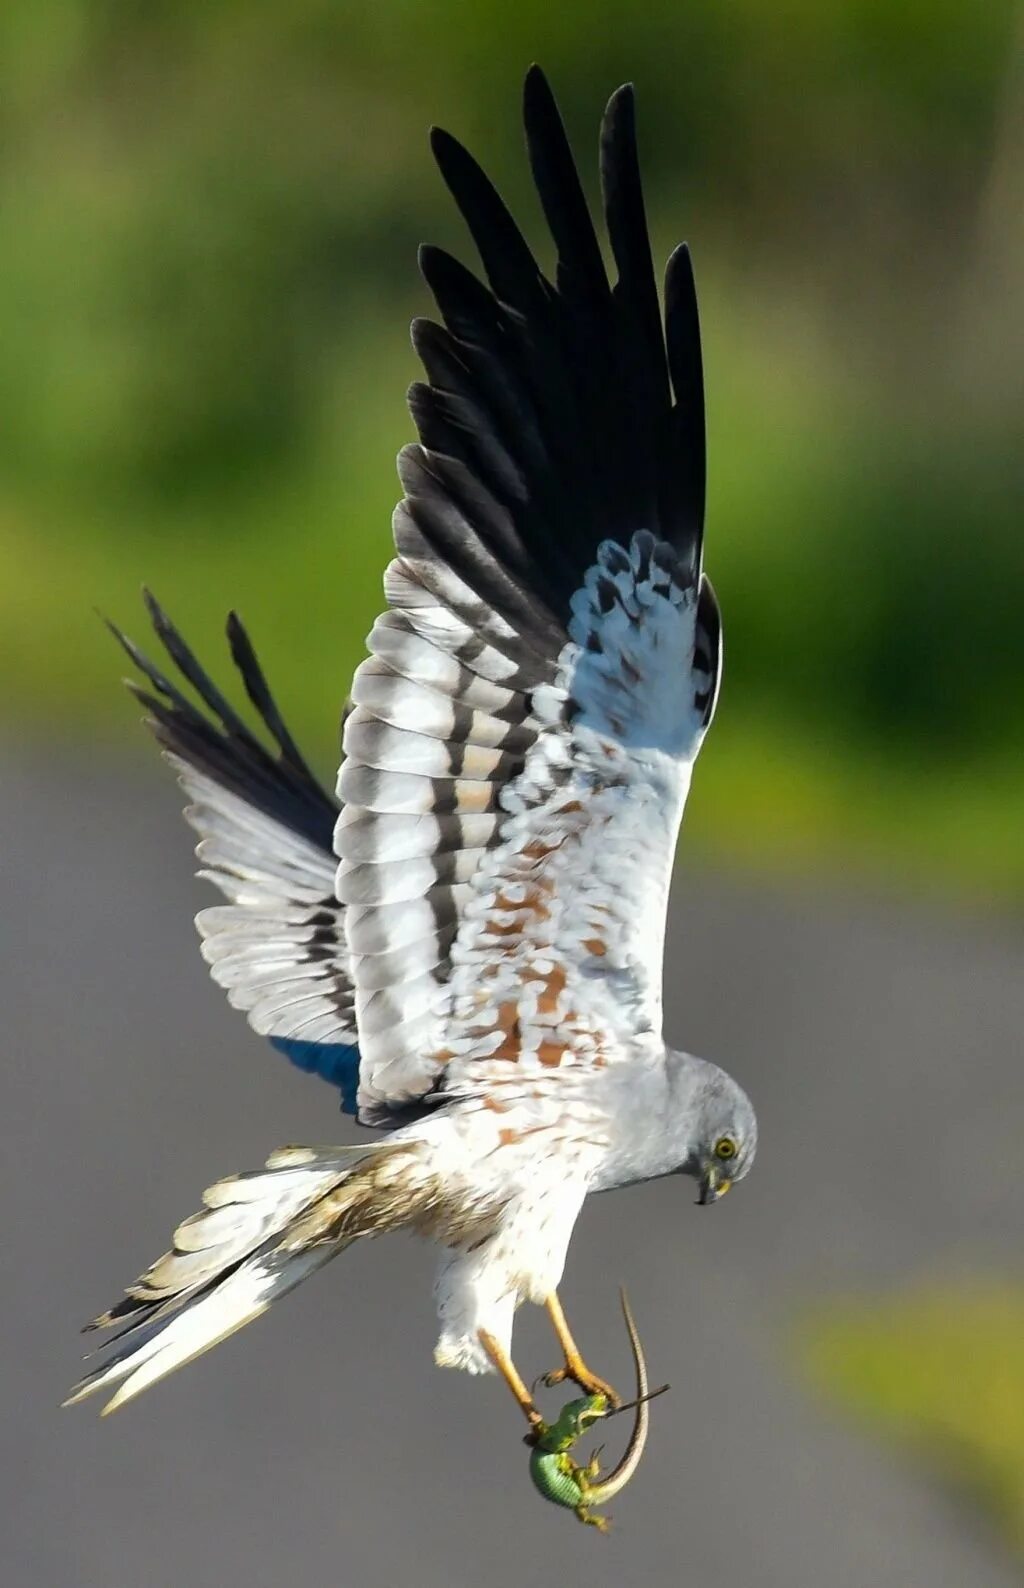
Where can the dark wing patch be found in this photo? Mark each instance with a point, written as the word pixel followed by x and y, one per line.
pixel 556 396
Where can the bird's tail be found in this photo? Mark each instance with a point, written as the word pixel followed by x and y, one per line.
pixel 257 1236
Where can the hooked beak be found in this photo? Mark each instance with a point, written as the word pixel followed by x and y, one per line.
pixel 714 1184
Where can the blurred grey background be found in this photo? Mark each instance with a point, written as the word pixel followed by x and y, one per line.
pixel 206 278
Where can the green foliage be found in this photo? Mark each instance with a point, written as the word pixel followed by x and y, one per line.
pixel 211 213
pixel 942 1370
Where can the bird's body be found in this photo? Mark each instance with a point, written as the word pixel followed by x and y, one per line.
pixel 469 940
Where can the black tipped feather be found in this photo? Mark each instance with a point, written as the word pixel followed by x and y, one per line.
pixel 258 691
pixel 635 289
pixel 682 331
pixel 580 265
pixel 511 268
pixel 266 829
pixel 557 397
pixel 221 744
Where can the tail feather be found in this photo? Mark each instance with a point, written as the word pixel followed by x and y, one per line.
pixel 165 1344
pixel 257 1237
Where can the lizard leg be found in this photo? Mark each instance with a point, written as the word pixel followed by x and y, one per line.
pixel 575 1368
pixel 504 1365
pixel 585 1515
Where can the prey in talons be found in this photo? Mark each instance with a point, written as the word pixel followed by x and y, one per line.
pixel 574 1369
pixel 555 1473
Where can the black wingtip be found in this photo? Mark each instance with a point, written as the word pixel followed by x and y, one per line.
pixel 130 649
pixel 122 639
pixel 619 156
pixel 240 645
pixel 437 266
pixel 453 159
pixel 234 628
pixel 443 144
pixel 110 625
pixel 218 742
pixel 434 265
pixel 606 452
pixel 159 618
pixel 682 329
pixel 622 102
pixel 536 84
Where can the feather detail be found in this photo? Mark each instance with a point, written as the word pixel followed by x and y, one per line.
pixel 549 547
pixel 257 1237
pixel 265 827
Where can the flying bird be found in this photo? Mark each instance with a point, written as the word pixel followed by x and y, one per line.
pixel 468 940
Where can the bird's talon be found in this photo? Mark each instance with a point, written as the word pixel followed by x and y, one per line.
pixel 578 1373
pixel 591 1384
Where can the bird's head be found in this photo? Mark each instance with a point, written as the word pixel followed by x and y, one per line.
pixel 722 1133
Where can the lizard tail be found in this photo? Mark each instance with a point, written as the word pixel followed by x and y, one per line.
pixel 607 1488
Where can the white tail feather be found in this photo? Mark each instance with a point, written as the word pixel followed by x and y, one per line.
pixel 257 1237
pixel 200 1325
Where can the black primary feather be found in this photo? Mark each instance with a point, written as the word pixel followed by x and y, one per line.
pixel 578 417
pixel 220 743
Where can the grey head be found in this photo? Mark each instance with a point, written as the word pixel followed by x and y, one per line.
pixel 719 1122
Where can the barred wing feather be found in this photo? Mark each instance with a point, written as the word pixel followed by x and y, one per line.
pixel 520 747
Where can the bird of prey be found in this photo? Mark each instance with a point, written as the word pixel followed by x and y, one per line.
pixel 468 940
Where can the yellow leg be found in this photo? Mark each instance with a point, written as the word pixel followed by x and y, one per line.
pixel 575 1368
pixel 507 1368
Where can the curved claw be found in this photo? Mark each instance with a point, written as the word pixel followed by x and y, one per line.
pixel 590 1383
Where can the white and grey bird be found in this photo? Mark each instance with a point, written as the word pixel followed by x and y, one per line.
pixel 468 941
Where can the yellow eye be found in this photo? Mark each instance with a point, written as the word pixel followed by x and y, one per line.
pixel 725 1148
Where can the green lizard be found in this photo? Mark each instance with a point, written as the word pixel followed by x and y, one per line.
pixel 564 1481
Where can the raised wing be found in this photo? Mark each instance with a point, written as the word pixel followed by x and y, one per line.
pixel 265 827
pixel 520 749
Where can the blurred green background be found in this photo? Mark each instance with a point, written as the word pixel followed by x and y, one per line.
pixel 210 215
pixel 210 218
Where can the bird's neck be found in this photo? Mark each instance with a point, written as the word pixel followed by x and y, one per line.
pixel 652 1111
